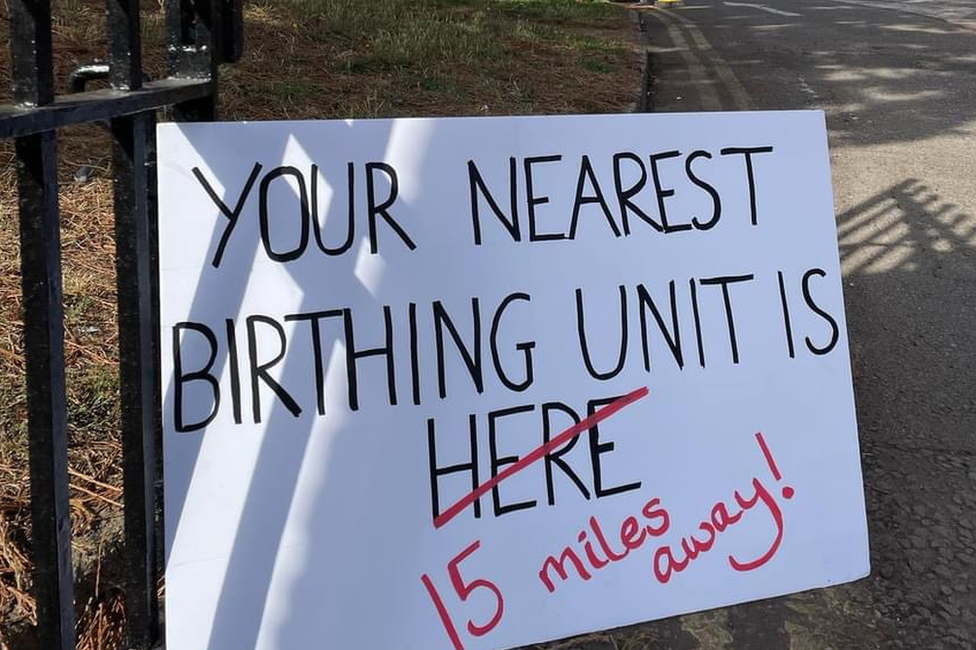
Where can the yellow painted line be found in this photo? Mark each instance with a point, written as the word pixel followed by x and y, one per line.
pixel 699 75
pixel 740 98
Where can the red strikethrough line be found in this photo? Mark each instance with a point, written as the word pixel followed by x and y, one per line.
pixel 539 452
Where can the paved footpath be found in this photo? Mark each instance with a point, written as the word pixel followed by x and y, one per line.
pixel 897 79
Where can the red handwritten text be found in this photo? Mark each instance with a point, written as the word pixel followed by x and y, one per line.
pixel 670 559
pixel 633 534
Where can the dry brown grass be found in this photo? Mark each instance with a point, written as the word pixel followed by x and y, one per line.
pixel 304 59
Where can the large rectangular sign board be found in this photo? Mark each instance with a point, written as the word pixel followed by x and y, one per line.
pixel 436 384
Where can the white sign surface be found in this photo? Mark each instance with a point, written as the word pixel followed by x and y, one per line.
pixel 479 383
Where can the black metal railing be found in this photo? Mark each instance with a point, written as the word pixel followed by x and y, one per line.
pixel 201 34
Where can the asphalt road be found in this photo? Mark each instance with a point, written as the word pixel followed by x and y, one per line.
pixel 897 79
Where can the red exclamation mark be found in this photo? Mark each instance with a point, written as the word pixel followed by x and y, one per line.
pixel 788 491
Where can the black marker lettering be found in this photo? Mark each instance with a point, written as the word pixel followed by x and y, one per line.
pixel 698 331
pixel 436 472
pixel 524 347
pixel 555 457
pixel 624 196
pixel 716 199
pixel 673 337
pixel 496 462
pixel 534 200
pixel 264 217
pixel 725 281
pixel 747 152
pixel 351 214
pixel 414 353
pixel 786 315
pixel 353 356
pixel 834 329
pixel 235 371
pixel 597 449
pixel 313 319
pixel 382 209
pixel 232 215
pixel 584 348
pixel 477 184
pixel 470 356
pixel 663 193
pixel 586 173
pixel 259 371
pixel 181 378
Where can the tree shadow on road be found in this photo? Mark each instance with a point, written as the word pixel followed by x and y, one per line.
pixel 882 77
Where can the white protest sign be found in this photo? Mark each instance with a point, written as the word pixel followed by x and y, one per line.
pixel 479 383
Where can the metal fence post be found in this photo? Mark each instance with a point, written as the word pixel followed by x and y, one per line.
pixel 137 363
pixel 40 263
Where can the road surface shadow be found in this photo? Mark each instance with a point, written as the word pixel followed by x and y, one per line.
pixel 883 77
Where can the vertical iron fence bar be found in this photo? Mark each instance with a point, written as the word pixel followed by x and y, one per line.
pixel 193 31
pixel 179 35
pixel 137 370
pixel 232 30
pixel 153 223
pixel 124 44
pixel 40 250
pixel 40 264
pixel 137 375
pixel 30 43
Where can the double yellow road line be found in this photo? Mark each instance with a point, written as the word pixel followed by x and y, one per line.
pixel 708 70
